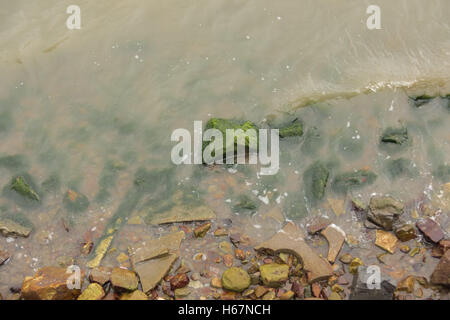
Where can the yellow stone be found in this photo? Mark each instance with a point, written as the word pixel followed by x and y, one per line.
pixel 100 252
pixel 122 257
pixel 135 295
pixel 355 264
pixel 386 240
pixel 94 291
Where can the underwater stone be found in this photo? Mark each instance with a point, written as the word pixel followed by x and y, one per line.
pixel 395 135
pixel 274 274
pixel 75 202
pixel 384 211
pixel 235 279
pixel 245 203
pixel 352 180
pixel 419 101
pixel 315 179
pixel 11 228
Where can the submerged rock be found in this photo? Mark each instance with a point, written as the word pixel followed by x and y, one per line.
pixel 235 279
pixel 385 211
pixel 291 240
pixel 430 229
pixel 352 180
pixel 421 100
pixel 11 228
pixel 274 274
pixel 100 275
pixel 315 179
pixel 201 230
pixel 441 275
pixel 4 256
pixel 75 202
pixel 50 283
pixel 405 232
pixel 246 203
pixel 395 135
pixel 124 279
pixel 94 291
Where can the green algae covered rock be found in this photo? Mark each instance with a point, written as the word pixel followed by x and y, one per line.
pixel 223 124
pixel 245 203
pixel 75 202
pixel 294 129
pixel 315 179
pixel 235 279
pixel 352 180
pixel 274 274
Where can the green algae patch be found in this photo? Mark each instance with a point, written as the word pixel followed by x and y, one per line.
pixel 75 202
pixel 397 136
pixel 315 179
pixel 293 129
pixel 352 180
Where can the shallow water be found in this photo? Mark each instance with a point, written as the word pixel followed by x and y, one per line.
pixel 74 101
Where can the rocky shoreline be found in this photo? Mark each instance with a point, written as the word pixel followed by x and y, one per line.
pixel 290 264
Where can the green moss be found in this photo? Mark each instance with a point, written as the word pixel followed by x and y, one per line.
pixel 419 101
pixel 293 129
pixel 315 179
pixel 75 202
pixel 397 136
pixel 352 180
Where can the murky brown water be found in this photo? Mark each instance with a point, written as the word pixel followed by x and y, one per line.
pixel 74 101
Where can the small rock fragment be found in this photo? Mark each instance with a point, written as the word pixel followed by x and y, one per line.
pixel 201 230
pixel 386 240
pixel 94 291
pixel 288 295
pixel 405 232
pixel 354 265
pixel 124 279
pixel 346 258
pixel 135 295
pixel 406 284
pixel 430 229
pixel 441 275
pixel 182 292
pixel 100 275
pixel 335 237
pixel 10 228
pixel 274 274
pixel 180 280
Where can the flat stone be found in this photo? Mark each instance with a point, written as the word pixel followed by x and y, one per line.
pixel 260 291
pixel 10 228
pixel 201 231
pixel 124 279
pixel 135 295
pixel 235 279
pixel 182 292
pixel 386 240
pixel 156 248
pixel 430 229
pixel 346 258
pixel 336 238
pixel 151 272
pixel 405 232
pixel 291 240
pixel 274 274
pixel 361 291
pixel 100 275
pixel 441 275
pixel 384 211
pixel 50 283
pixel 182 214
pixel 94 291
pixel 318 224
pixel 337 205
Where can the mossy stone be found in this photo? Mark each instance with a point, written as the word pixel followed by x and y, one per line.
pixel 352 180
pixel 75 202
pixel 235 279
